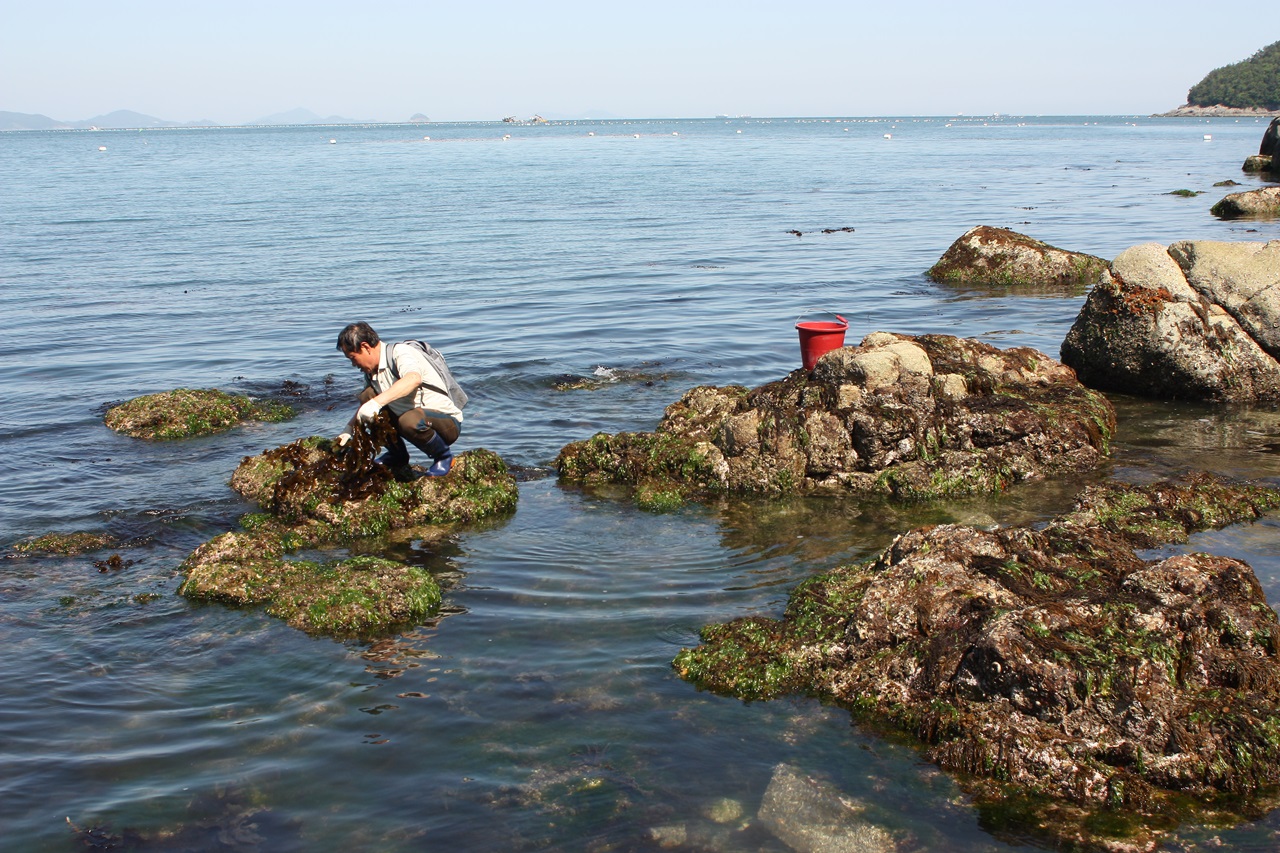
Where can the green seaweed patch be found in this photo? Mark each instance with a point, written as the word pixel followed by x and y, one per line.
pixel 1169 511
pixel 186 413
pixel 1187 193
pixel 64 544
pixel 355 597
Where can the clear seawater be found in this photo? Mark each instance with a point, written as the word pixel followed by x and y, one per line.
pixel 540 710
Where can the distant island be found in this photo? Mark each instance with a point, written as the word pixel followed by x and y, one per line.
pixel 1249 87
pixel 130 120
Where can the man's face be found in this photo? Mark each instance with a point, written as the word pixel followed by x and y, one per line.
pixel 365 358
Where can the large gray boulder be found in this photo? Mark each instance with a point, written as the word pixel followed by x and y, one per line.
pixel 1199 320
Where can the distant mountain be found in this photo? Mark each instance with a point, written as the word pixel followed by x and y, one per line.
pixel 1252 83
pixel 29 121
pixel 111 121
pixel 130 119
pixel 303 116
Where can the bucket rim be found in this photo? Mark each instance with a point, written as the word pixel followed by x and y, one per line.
pixel 840 320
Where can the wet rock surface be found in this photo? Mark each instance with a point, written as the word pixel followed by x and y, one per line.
pixel 187 412
pixel 1199 320
pixel 901 416
pixel 987 255
pixel 1077 690
pixel 315 494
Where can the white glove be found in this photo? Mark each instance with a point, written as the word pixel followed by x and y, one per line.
pixel 343 439
pixel 369 411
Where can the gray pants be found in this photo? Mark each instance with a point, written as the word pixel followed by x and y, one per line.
pixel 418 427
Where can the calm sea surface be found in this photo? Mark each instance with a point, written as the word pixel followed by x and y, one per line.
pixel 540 712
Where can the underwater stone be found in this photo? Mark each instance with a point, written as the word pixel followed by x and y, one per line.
pixel 911 417
pixel 813 816
pixel 1099 696
pixel 186 413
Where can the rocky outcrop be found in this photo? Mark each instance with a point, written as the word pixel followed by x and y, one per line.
pixel 1198 321
pixel 987 255
pixel 1214 111
pixel 907 417
pixel 1251 204
pixel 1270 139
pixel 315 494
pixel 1062 676
pixel 186 412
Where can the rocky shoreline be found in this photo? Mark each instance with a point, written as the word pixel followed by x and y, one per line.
pixel 1217 111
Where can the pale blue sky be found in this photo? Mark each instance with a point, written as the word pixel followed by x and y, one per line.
pixel 234 61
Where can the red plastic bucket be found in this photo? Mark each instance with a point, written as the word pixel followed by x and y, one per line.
pixel 818 338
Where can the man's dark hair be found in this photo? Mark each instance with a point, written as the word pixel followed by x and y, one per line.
pixel 355 334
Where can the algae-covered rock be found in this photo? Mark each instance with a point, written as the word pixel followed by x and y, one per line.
pixel 306 483
pixel 316 494
pixel 359 596
pixel 64 544
pixel 908 417
pixel 1067 681
pixel 1251 204
pixel 186 412
pixel 988 255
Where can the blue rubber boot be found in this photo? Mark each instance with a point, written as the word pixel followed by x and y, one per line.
pixel 439 451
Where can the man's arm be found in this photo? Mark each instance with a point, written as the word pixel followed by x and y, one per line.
pixel 405 386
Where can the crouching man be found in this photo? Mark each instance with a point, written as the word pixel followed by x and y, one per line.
pixel 399 377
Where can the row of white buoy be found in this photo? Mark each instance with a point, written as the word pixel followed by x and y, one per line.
pixel 1208 137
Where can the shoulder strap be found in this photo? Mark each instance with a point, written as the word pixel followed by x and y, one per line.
pixel 391 365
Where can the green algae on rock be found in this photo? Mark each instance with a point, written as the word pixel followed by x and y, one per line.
pixel 187 412
pixel 64 544
pixel 316 494
pixel 987 255
pixel 1076 689
pixel 908 417
pixel 359 596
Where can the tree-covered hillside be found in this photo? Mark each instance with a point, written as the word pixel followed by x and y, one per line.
pixel 1255 82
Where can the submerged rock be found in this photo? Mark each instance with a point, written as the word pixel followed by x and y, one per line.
pixel 1251 204
pixel 988 255
pixel 812 816
pixel 1067 681
pixel 901 416
pixel 64 544
pixel 1199 321
pixel 314 494
pixel 186 412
